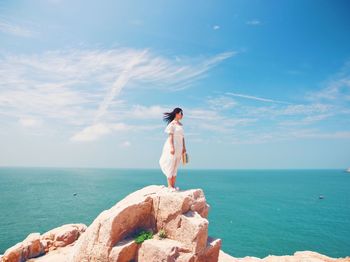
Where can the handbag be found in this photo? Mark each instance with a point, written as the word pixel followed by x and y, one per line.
pixel 185 158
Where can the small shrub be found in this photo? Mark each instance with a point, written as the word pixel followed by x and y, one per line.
pixel 142 236
pixel 162 233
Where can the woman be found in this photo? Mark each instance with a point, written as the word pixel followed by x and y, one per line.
pixel 174 146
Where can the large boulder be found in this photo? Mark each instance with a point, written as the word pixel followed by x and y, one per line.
pixel 181 214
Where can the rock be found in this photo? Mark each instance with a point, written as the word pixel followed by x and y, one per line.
pixel 63 235
pixel 30 247
pixel 156 250
pixel 14 253
pixel 211 252
pixel 62 254
pixel 182 214
pixel 308 256
pixel 192 230
pixel 299 256
pixel 125 250
pixel 35 245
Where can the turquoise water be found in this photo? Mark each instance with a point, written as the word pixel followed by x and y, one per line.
pixel 254 212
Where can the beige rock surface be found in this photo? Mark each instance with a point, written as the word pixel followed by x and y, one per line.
pixel 62 254
pixel 299 256
pixel 125 250
pixel 35 244
pixel 182 214
pixel 164 250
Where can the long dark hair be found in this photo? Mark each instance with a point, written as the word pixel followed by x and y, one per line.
pixel 169 116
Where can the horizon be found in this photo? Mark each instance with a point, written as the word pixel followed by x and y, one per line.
pixel 183 170
pixel 263 85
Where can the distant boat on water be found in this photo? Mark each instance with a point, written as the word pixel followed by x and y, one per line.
pixel 348 170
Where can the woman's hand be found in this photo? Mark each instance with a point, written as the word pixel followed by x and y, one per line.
pixel 172 151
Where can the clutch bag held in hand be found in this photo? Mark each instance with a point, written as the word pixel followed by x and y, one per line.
pixel 185 158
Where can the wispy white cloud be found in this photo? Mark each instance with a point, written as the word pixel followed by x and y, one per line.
pixel 215 120
pixel 98 130
pixel 150 70
pixel 328 135
pixel 335 89
pixel 12 28
pixel 289 115
pixel 306 120
pixel 221 102
pixel 28 121
pixel 216 27
pixel 82 87
pixel 277 117
pixel 254 22
pixel 281 135
pixel 304 109
pixel 146 112
pixel 256 98
pixel 118 84
pixel 92 132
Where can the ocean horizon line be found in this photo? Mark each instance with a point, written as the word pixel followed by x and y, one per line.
pixel 154 168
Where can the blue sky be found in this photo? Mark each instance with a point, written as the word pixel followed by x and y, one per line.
pixel 262 84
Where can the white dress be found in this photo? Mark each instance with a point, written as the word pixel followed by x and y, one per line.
pixel 169 162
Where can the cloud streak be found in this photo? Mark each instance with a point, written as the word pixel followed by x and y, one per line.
pixel 117 86
pixel 254 22
pixel 96 131
pixel 81 87
pixel 256 98
pixel 10 28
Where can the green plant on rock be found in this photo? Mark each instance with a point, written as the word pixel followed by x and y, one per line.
pixel 143 235
pixel 162 233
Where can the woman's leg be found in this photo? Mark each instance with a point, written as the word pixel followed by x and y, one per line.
pixel 177 162
pixel 170 181
pixel 173 172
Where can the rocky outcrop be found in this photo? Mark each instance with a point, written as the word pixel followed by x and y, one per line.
pixel 178 220
pixel 181 214
pixel 36 245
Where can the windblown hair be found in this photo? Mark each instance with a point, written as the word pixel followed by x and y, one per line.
pixel 169 116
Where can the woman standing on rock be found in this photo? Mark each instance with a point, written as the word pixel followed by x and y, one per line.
pixel 174 146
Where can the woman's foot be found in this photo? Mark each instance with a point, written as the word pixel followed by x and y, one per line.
pixel 171 188
pixel 177 188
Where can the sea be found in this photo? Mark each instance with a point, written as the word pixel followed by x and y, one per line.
pixel 254 212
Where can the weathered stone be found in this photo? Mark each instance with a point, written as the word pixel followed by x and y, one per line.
pixel 192 230
pixel 153 208
pixel 35 244
pixel 63 235
pixel 125 250
pixel 211 251
pixel 164 250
